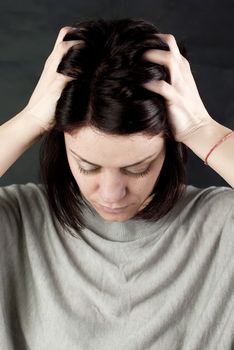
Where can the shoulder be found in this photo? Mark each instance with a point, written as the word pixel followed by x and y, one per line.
pixel 22 193
pixel 213 196
pixel 20 190
pixel 18 201
pixel 210 207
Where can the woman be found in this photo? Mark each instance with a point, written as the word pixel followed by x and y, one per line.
pixel 113 249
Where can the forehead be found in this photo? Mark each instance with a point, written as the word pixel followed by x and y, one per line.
pixel 95 146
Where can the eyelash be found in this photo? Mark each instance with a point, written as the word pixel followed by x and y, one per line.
pixel 88 172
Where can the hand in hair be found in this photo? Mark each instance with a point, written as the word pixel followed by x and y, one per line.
pixel 42 103
pixel 185 109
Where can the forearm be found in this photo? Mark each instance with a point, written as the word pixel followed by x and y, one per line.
pixel 221 158
pixel 16 136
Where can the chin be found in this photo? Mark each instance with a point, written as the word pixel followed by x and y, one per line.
pixel 116 217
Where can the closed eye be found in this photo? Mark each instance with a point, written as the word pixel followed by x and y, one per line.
pixel 126 172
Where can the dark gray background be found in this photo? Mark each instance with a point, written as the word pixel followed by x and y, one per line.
pixel 29 30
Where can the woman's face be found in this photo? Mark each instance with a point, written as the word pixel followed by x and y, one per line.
pixel 103 167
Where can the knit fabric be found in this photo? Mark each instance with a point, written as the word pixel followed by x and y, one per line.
pixel 130 285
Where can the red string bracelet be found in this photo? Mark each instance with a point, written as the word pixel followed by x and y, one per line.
pixel 218 143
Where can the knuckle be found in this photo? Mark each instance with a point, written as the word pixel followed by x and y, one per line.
pixel 170 38
pixel 185 61
pixel 60 78
pixel 57 84
pixel 62 46
pixel 66 44
pixel 64 30
pixel 163 84
pixel 48 60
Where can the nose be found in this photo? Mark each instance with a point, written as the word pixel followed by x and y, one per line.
pixel 112 189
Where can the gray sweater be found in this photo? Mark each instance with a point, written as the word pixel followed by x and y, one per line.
pixel 167 285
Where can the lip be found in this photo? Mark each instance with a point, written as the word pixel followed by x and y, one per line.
pixel 113 211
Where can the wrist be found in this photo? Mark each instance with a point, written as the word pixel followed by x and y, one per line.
pixel 204 138
pixel 31 123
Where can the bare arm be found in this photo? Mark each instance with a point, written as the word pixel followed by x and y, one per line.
pixel 190 121
pixel 221 159
pixel 16 136
pixel 28 126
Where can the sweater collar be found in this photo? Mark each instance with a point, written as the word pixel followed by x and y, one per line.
pixel 125 231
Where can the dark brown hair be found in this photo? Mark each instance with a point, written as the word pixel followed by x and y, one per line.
pixel 107 94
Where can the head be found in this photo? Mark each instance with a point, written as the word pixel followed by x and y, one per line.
pixel 112 145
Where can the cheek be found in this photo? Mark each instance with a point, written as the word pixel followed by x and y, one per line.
pixel 149 182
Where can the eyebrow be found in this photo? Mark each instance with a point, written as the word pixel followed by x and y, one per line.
pixel 127 166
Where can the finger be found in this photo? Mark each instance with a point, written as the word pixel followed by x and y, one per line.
pixel 158 56
pixel 170 40
pixel 63 31
pixel 60 50
pixel 162 88
pixel 66 45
